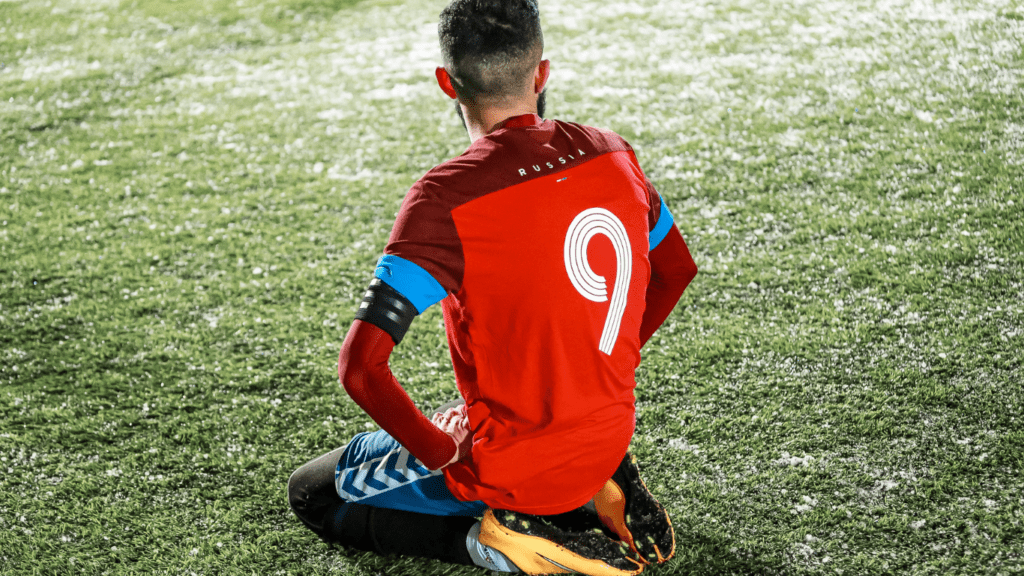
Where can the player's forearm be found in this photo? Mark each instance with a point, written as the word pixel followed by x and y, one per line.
pixel 364 372
pixel 672 269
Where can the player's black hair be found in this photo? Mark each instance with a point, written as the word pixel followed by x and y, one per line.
pixel 490 47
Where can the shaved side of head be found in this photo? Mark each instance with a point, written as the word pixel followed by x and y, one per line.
pixel 491 47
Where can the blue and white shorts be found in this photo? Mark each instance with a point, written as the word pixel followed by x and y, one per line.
pixel 377 471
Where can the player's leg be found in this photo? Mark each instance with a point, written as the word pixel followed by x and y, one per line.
pixel 624 507
pixel 313 488
pixel 392 505
pixel 557 544
pixel 377 476
pixel 314 497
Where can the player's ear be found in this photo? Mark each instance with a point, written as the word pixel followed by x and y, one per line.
pixel 445 82
pixel 540 76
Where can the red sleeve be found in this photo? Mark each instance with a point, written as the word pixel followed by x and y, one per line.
pixel 364 372
pixel 672 269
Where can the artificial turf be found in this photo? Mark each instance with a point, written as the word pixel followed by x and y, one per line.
pixel 193 194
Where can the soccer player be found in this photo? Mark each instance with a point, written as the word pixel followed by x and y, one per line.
pixel 554 260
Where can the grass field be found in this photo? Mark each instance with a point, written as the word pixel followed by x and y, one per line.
pixel 193 194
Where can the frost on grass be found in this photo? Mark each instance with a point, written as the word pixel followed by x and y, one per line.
pixel 199 200
pixel 787 460
pixel 681 444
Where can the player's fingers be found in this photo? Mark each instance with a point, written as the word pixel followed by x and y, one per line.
pixel 456 428
pixel 453 415
pixel 445 424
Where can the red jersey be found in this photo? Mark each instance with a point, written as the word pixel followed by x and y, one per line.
pixel 536 242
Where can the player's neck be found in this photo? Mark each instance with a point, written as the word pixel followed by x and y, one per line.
pixel 483 120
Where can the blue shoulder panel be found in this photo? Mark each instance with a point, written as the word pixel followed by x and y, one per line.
pixel 662 227
pixel 410 280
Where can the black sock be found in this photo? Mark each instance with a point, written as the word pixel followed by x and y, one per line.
pixel 315 500
pixel 386 531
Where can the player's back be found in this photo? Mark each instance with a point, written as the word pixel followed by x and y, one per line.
pixel 543 249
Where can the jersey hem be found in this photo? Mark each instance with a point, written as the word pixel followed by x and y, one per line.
pixel 459 491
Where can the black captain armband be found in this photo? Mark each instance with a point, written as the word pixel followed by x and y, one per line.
pixel 387 309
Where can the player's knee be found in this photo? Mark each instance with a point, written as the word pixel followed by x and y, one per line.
pixel 296 495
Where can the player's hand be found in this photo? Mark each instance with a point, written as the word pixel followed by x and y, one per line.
pixel 455 423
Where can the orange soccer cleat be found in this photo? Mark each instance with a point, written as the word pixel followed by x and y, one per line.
pixel 628 509
pixel 558 544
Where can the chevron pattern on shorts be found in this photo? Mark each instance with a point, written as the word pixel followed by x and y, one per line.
pixel 393 470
